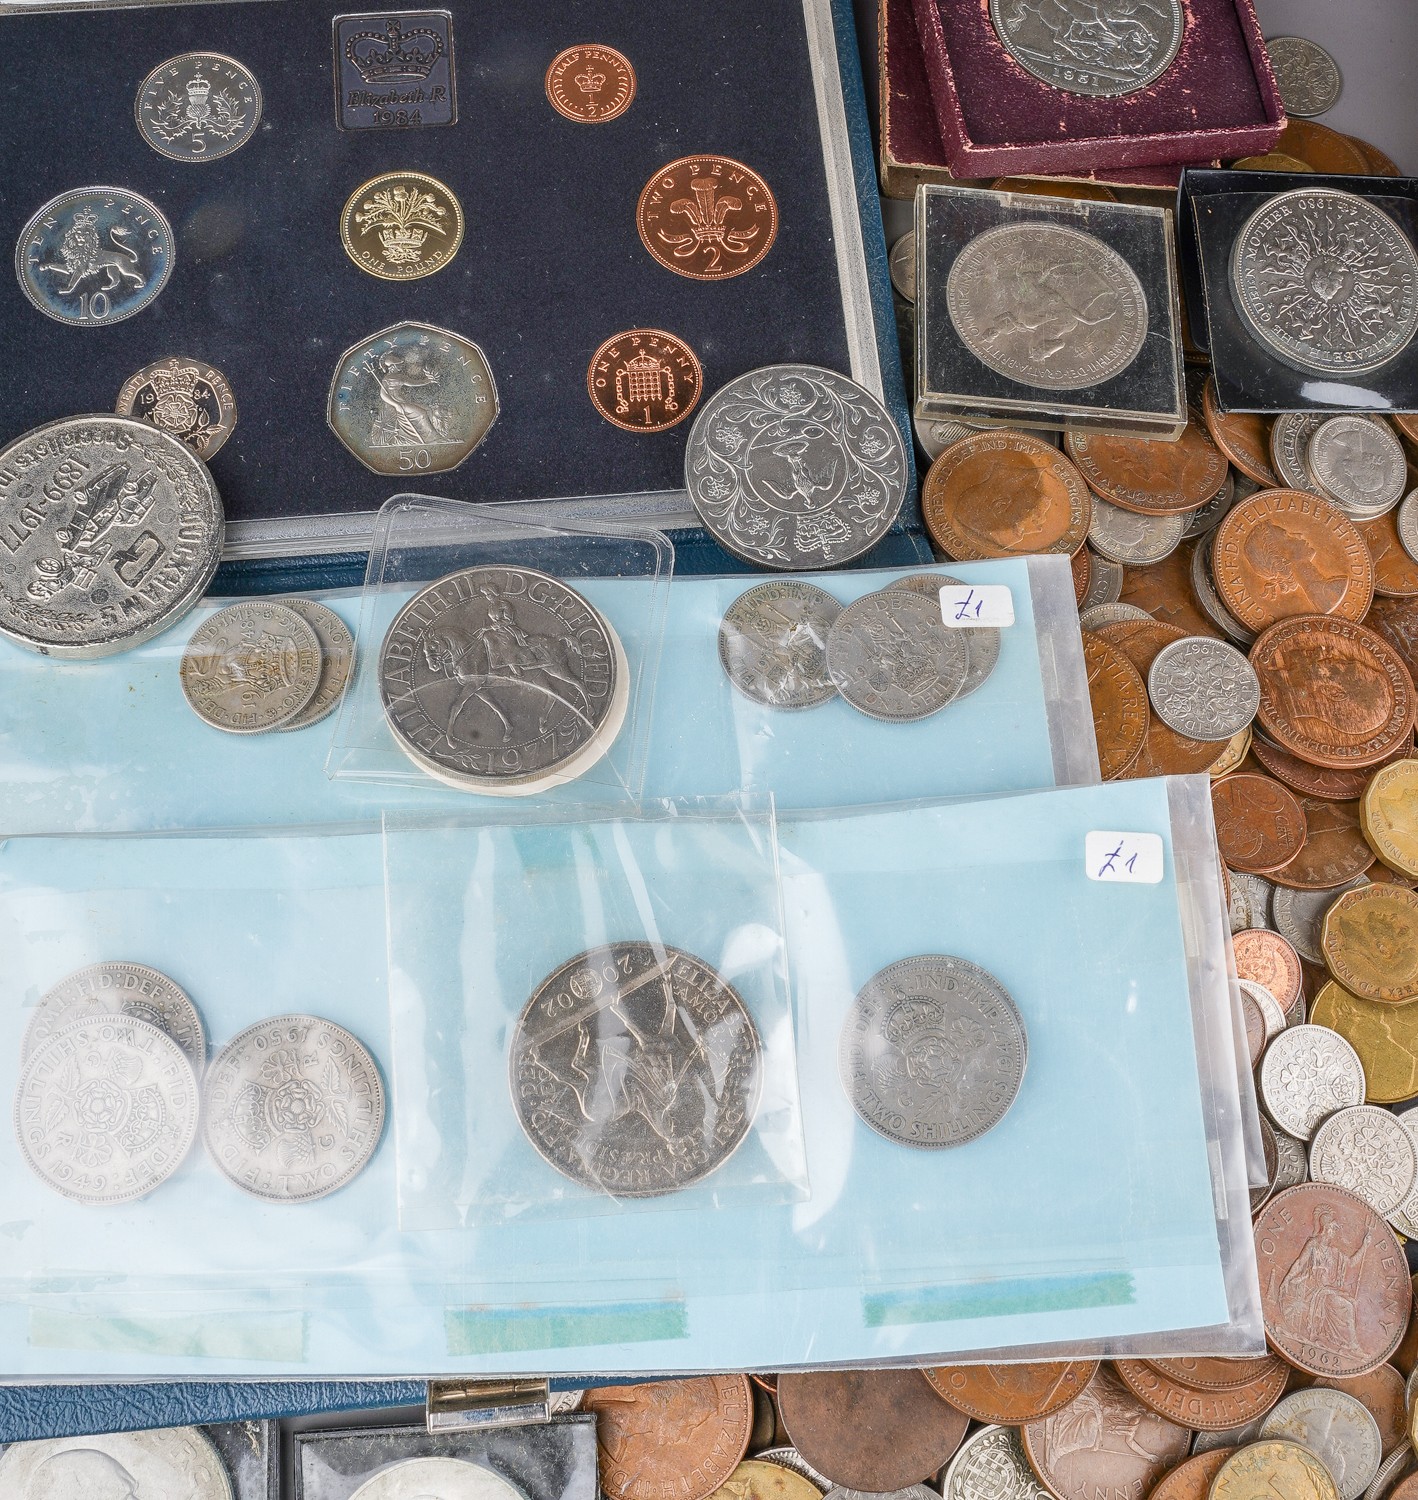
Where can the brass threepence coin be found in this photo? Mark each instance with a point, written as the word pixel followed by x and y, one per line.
pixel 670 1439
pixel 1149 475
pixel 198 107
pixel 590 84
pixel 184 397
pixel 707 217
pixel 1383 1038
pixel 644 380
pixel 402 225
pixel 250 667
pixel 1370 942
pixel 1389 815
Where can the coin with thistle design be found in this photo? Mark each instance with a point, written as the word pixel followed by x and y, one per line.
pixel 198 107
pixel 707 217
pixel 402 225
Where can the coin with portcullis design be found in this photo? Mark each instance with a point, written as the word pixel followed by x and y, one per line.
pixel 644 380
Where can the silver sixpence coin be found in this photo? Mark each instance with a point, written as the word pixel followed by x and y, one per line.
pixel 1251 897
pixel 982 642
pixel 1367 1150
pixel 1110 614
pixel 1124 536
pixel 1326 282
pixel 501 675
pixel 1272 1017
pixel 936 436
pixel 1290 436
pixel 1208 600
pixel 1405 1217
pixel 1047 306
pixel 94 256
pixel 1299 915
pixel 250 667
pixel 106 1109
pixel 1408 524
pixel 184 397
pixel 773 644
pixel 635 1069
pixel 991 1465
pixel 1211 515
pixel 119 989
pixel 1306 75
pixel 1292 1162
pixel 902 262
pixel 1338 1429
pixel 1081 47
pixel 1307 1073
pixel 198 107
pixel 337 656
pixel 791 1459
pixel 170 1463
pixel 795 467
pixel 933 1051
pixel 1105 580
pixel 112 531
pixel 293 1109
pixel 892 656
pixel 1203 689
pixel 1359 464
pixel 437 1477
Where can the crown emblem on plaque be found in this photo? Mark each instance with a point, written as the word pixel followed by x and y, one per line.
pixel 394 53
pixel 590 82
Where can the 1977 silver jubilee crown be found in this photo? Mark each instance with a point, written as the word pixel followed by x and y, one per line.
pixel 171 1463
pixel 1084 47
pixel 773 643
pixel 635 1069
pixel 795 467
pixel 110 532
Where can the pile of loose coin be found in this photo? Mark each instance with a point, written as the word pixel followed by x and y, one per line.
pixel 114 1083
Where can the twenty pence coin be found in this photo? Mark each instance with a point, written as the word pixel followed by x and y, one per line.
pixel 1012 1394
pixel 670 1439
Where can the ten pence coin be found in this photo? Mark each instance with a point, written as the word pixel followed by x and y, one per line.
pixel 170 1463
pixel 1202 1410
pixel 1370 942
pixel 1119 703
pixel 1334 851
pixel 707 217
pixel 1259 824
pixel 590 84
pixel 1150 475
pixel 1269 959
pixel 1261 1470
pixel 1384 1039
pixel 1388 814
pixel 1243 437
pixel 670 1439
pixel 1012 1393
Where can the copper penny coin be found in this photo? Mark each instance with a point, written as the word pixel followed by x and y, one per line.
pixel 1213 1373
pixel 1407 424
pixel 1332 692
pixel 1406 1355
pixel 1243 437
pixel 590 84
pixel 1271 960
pixel 1148 475
pixel 644 380
pixel 1081 565
pixel 1381 164
pixel 1395 573
pixel 1397 621
pixel 1334 1286
pixel 1382 1392
pixel 1119 700
pixel 1405 1489
pixel 670 1439
pixel 1164 752
pixel 1334 851
pixel 1323 149
pixel 1369 939
pixel 1005 494
pixel 1282 552
pixel 1203 1410
pixel 707 217
pixel 1192 1480
pixel 1259 824
pixel 869 1430
pixel 1105 1445
pixel 1319 781
pixel 1164 590
pixel 1012 1394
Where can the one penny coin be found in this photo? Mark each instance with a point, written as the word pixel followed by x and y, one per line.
pixel 1271 960
pixel 1243 437
pixel 1081 565
pixel 1282 552
pixel 590 84
pixel 1335 1289
pixel 1119 700
pixel 1323 149
pixel 1388 815
pixel 1397 621
pixel 1005 494
pixel 1370 942
pixel 871 1430
pixel 1260 825
pixel 1202 1410
pixel 1395 573
pixel 1149 475
pixel 1012 1394
pixel 1384 1037
pixel 707 217
pixel 1164 590
pixel 644 380
pixel 670 1439
pixel 1192 1480
pixel 1204 1373
pixel 1319 781
pixel 1262 1470
pixel 1332 692
pixel 1164 751
pixel 1334 851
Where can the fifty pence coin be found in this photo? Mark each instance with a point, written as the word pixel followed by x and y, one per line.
pixel 1047 305
pixel 1307 76
pixel 892 657
pixel 933 1051
pixel 251 667
pixel 437 1475
pixel 1203 689
pixel 644 380
pixel 1339 1430
pixel 1307 1073
pixel 198 107
pixel 400 226
pixel 111 532
pixel 293 1109
pixel 635 1069
pixel 1081 49
pixel 1367 1150
pixel 106 1109
pixel 164 1464
pixel 95 255
pixel 115 988
pixel 795 467
pixel 184 397
pixel 773 644
pixel 707 217
pixel 982 642
pixel 1359 464
pixel 337 656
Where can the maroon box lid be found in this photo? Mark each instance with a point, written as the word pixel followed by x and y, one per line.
pixel 1217 99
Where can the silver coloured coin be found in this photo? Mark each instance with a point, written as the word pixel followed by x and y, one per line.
pixel 1105 581
pixel 893 657
pixel 1408 524
pixel 198 107
pixel 1290 436
pixel 1405 1217
pixel 1391 1470
pixel 795 467
pixel 1299 916
pixel 437 1477
pixel 1266 1004
pixel 1047 305
pixel 119 989
pixel 564 1403
pixel 910 1492
pixel 500 675
pixel 184 397
pixel 250 667
pixel 1338 1429
pixel 111 530
pixel 773 644
pixel 902 262
pixel 1366 1150
pixel 1306 75
pixel 1203 689
pixel 1251 897
pixel 635 1069
pixel 936 436
pixel 991 1465
pixel 1124 536
pixel 1230 1437
pixel 982 642
pixel 1211 515
pixel 1326 282
pixel 337 656
pixel 1084 48
pixel 106 1109
pixel 293 1109
pixel 169 1463
pixel 1292 1162
pixel 1359 464
pixel 1110 614
pixel 1208 600
pixel 790 1458
pixel 94 256
pixel 1307 1073
pixel 933 1051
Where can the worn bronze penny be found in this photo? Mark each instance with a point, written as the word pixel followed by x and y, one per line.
pixel 1319 781
pixel 1397 621
pixel 590 84
pixel 1192 1480
pixel 1243 437
pixel 1282 552
pixel 1385 1037
pixel 1260 825
pixel 670 1439
pixel 1164 590
pixel 1081 565
pixel 1164 752
pixel 1004 494
pixel 644 380
pixel 1203 1410
pixel 1395 573
pixel 869 1429
pixel 1323 149
pixel 1382 1392
pixel 1012 1394
pixel 1334 850
pixel 1405 1357
pixel 1119 700
pixel 1148 475
pixel 707 217
pixel 1214 1373
pixel 1370 942
pixel 1271 960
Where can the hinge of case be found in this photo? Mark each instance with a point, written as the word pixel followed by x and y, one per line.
pixel 455 1404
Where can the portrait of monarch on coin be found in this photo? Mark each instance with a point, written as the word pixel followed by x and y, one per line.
pixel 1380 934
pixel 85 1472
pixel 1330 693
pixel 1359 458
pixel 1013 515
pixel 1289 565
pixel 1044 300
pixel 1318 1292
pixel 1398 804
pixel 638 1413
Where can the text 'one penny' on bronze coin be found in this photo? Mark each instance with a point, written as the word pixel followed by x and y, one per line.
pixel 1334 850
pixel 1118 698
pixel 872 1430
pixel 590 84
pixel 644 380
pixel 1005 494
pixel 1259 823
pixel 707 217
pixel 1149 475
pixel 1012 1393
